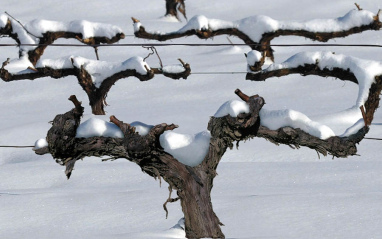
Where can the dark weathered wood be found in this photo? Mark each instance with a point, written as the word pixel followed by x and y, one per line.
pixel 97 95
pixel 371 103
pixel 304 70
pixel 193 184
pixel 48 38
pixel 173 6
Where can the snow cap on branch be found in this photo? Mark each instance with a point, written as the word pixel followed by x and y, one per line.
pixel 86 28
pixel 98 127
pixel 256 26
pixel 187 149
pixel 3 20
pixel 232 108
pixel 364 70
pixel 98 70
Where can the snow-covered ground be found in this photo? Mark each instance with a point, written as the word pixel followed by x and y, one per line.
pixel 262 190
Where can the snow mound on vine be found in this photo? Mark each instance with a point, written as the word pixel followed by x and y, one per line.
pixel 174 69
pixel 232 108
pixel 97 127
pixel 187 149
pixel 275 119
pixel 41 143
pixel 141 128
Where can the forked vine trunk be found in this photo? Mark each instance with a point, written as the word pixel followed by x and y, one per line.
pixel 193 184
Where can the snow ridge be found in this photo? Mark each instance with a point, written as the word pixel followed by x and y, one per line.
pixel 255 26
pixel 275 119
pixel 364 70
pixel 98 70
pixel 39 27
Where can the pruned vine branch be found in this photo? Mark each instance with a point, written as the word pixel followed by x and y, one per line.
pixel 96 92
pixel 261 41
pixel 324 69
pixel 44 39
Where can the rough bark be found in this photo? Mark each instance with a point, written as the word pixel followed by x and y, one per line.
pixel 193 184
pixel 97 95
pixel 304 70
pixel 263 45
pixel 173 6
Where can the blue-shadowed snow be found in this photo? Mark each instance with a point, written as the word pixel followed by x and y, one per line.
pixel 354 128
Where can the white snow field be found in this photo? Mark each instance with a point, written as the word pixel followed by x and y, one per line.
pixel 261 191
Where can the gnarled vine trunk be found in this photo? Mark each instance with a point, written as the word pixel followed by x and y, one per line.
pixel 193 184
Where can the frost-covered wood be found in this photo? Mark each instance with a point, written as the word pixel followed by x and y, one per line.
pixel 258 31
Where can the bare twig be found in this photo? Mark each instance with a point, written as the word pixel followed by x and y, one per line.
pixel 135 20
pixel 242 96
pixel 230 41
pixel 359 8
pixel 151 53
pixel 96 52
pixel 5 63
pixel 169 200
pixel 75 101
pixel 153 50
pixel 21 25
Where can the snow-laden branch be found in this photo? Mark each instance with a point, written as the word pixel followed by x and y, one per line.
pixel 95 77
pixel 366 73
pixel 258 31
pixel 44 33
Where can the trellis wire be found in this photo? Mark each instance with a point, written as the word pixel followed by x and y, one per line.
pixel 189 44
pixel 195 44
